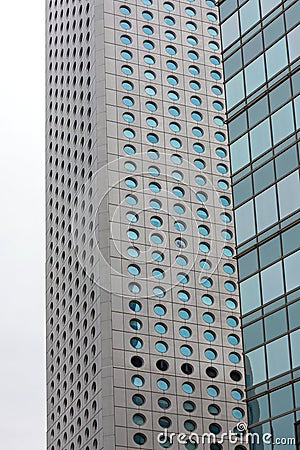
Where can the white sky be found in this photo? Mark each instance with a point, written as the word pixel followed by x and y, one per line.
pixel 22 355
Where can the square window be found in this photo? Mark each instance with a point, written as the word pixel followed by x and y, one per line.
pixel 250 294
pixel 272 282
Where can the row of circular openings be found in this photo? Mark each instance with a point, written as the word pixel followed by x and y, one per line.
pixel 171 36
pixel 170 21
pixel 176 143
pixel 206 299
pixel 148 15
pixel 171 50
pixel 173 95
pixel 55 3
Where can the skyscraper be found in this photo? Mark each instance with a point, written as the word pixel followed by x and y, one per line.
pixel 261 64
pixel 142 304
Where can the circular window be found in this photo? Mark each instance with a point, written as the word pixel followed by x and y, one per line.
pixel 133 252
pixel 234 357
pixel 227 251
pixel 147 15
pixel 210 354
pixel 185 350
pixel 212 31
pixel 230 286
pixel 184 314
pixel 204 247
pixel 190 11
pixel 163 384
pixel 128 101
pixel 195 100
pixel 150 90
pixel 151 106
pixel 129 149
pixel 190 425
pixel 211 372
pixel 188 388
pixel 207 300
pixel 135 324
pixel 125 24
pixel 125 9
pixel 160 310
pixel 209 336
pixel 158 273
pixel 238 413
pixel 161 347
pixel 212 391
pixel 139 419
pixel 232 321
pixel 164 403
pixel 206 282
pixel 191 26
pixel 136 343
pixel 126 39
pixel 208 317
pixel 216 75
pixel 189 406
pixel 133 269
pixel 174 111
pixel 135 288
pixel 176 159
pixel 214 410
pixel 135 306
pixel 231 304
pixel 214 45
pixel 139 438
pixel 132 217
pixel 155 204
pixel 179 192
pixel 132 234
pixel 159 292
pixel 153 154
pixel 169 20
pixel 127 85
pixel 171 50
pixel 137 380
pixel 156 238
pixel 203 230
pixel 131 199
pixel 160 328
pixel 126 54
pixel 157 256
pixel 148 30
pixel 138 399
pixel 172 65
pixel 233 339
pixel 194 70
pixel 195 85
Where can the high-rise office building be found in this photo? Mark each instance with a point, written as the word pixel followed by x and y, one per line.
pixel 142 305
pixel 261 43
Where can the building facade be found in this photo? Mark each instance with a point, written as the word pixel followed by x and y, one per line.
pixel 261 66
pixel 143 328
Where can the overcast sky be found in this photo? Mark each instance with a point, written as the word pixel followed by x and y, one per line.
pixel 22 356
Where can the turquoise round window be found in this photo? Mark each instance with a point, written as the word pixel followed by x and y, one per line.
pixel 137 380
pixel 207 300
pixel 185 350
pixel 160 310
pixel 203 214
pixel 125 24
pixel 208 317
pixel 232 321
pixel 210 354
pixel 163 384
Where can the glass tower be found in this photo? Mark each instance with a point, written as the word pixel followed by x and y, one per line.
pixel 143 330
pixel 261 49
